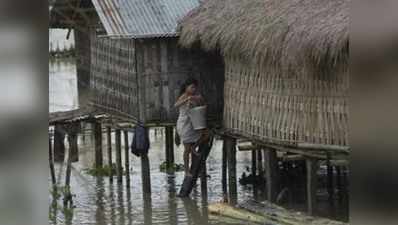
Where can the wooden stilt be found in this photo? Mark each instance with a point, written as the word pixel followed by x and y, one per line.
pixel 169 146
pixel 126 156
pixel 83 134
pixel 51 162
pixel 231 155
pixel 59 144
pixel 339 184
pixel 254 171
pixel 254 163
pixel 271 174
pixel 224 172
pixel 311 167
pixel 203 180
pixel 68 196
pixel 98 145
pixel 109 148
pixel 330 186
pixel 260 162
pixel 72 130
pixel 145 174
pixel 119 169
pixel 147 208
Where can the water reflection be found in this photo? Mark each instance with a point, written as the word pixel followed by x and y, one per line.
pixel 193 214
pixel 172 204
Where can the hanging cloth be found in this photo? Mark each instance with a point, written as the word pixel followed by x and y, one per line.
pixel 140 144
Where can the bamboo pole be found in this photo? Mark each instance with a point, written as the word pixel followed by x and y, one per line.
pixel 254 162
pixel 231 155
pixel 68 196
pixel 119 169
pixel 311 166
pixel 109 145
pixel 224 172
pixel 51 162
pixel 203 180
pixel 59 145
pixel 330 185
pixel 145 174
pixel 72 139
pixel 169 147
pixel 271 173
pixel 98 145
pixel 126 156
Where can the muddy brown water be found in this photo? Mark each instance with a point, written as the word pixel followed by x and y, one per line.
pixel 99 201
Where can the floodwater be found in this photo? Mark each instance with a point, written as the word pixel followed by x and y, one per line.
pixel 100 201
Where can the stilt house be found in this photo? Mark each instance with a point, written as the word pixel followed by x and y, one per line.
pixel 286 67
pixel 137 68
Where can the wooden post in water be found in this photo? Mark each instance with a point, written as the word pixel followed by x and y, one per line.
pixel 126 156
pixel 72 130
pixel 330 186
pixel 254 163
pixel 230 144
pixel 224 172
pixel 311 167
pixel 339 184
pixel 83 125
pixel 51 162
pixel 109 148
pixel 169 146
pixel 68 196
pixel 98 145
pixel 145 174
pixel 254 171
pixel 260 162
pixel 119 169
pixel 59 144
pixel 271 174
pixel 203 180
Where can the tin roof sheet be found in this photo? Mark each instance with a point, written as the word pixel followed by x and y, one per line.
pixel 142 18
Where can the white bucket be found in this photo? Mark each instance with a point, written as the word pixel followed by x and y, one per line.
pixel 198 117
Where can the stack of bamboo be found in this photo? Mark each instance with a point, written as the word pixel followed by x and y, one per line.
pixel 268 213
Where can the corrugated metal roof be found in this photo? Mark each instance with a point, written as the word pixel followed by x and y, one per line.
pixel 142 18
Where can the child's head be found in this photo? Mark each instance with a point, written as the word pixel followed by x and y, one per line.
pixel 189 86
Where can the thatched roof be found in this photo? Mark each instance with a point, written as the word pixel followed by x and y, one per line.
pixel 273 32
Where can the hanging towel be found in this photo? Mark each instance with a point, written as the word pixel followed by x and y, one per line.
pixel 140 144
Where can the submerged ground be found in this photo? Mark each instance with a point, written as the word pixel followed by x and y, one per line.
pixel 99 201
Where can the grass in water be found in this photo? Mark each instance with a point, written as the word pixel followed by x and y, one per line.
pixel 173 168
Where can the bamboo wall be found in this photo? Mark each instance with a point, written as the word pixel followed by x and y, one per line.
pixel 141 78
pixel 301 105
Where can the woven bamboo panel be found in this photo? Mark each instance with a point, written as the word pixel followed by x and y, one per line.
pixel 113 75
pixel 286 107
pixel 142 78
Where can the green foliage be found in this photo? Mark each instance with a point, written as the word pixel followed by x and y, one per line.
pixel 102 171
pixel 173 168
pixel 65 193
